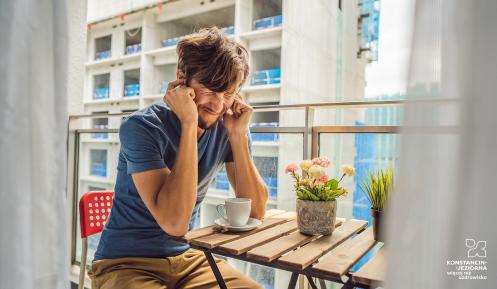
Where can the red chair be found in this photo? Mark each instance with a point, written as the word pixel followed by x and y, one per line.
pixel 94 210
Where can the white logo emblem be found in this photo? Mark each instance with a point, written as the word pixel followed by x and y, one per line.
pixel 476 249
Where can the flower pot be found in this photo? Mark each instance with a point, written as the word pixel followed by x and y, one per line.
pixel 316 217
pixel 376 216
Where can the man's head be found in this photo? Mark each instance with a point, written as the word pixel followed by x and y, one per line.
pixel 215 66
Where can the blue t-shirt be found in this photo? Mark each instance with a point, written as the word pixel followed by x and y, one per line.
pixel 150 140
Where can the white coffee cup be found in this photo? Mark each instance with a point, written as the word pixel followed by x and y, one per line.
pixel 236 211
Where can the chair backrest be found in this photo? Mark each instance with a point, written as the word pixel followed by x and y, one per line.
pixel 94 210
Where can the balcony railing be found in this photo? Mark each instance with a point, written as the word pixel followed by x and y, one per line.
pixel 363 133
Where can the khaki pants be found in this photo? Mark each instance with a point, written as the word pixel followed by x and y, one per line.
pixel 186 271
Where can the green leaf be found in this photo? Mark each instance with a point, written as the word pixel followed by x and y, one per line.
pixel 300 195
pixel 310 195
pixel 378 188
pixel 332 184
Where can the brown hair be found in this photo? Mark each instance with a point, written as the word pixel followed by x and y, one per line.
pixel 213 59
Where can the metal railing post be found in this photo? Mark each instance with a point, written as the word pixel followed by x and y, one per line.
pixel 75 187
pixel 309 123
pixel 82 266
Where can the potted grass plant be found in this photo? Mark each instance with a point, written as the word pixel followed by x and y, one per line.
pixel 316 195
pixel 378 189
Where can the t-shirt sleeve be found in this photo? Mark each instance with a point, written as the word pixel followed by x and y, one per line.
pixel 140 146
pixel 229 156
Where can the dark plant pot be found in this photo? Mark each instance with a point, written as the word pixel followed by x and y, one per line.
pixel 376 216
pixel 316 217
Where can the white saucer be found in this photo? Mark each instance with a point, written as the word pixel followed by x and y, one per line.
pixel 251 224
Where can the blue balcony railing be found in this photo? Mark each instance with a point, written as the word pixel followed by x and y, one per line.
pixel 132 89
pixel 134 48
pixel 265 136
pixel 102 54
pixel 268 22
pixel 170 41
pixel 267 76
pixel 101 93
pixel 102 135
pixel 98 169
pixel 222 182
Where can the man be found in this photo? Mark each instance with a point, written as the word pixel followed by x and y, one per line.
pixel 169 156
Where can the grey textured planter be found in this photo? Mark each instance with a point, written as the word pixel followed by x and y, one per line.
pixel 376 217
pixel 316 217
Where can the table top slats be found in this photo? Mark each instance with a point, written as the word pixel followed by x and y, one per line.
pixel 216 239
pixel 278 243
pixel 273 212
pixel 209 230
pixel 373 271
pixel 197 233
pixel 346 255
pixel 274 249
pixel 311 252
pixel 278 247
pixel 245 244
pixel 285 216
pixel 339 222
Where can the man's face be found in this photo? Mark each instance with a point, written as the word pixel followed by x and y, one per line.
pixel 212 105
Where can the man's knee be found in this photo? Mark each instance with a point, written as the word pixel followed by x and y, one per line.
pixel 236 279
pixel 127 280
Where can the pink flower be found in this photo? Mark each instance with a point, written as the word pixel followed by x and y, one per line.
pixel 323 179
pixel 306 164
pixel 291 168
pixel 316 172
pixel 321 161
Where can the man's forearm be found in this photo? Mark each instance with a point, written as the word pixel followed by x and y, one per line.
pixel 249 183
pixel 179 192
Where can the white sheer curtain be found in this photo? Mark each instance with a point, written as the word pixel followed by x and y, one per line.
pixel 447 186
pixel 33 118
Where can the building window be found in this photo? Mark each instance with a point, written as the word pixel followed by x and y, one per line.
pixel 133 40
pixel 101 123
pixel 268 168
pixel 103 47
pixel 98 163
pixel 267 14
pixel 131 82
pixel 101 83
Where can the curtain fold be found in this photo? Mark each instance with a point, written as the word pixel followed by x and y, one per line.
pixel 446 191
pixel 33 144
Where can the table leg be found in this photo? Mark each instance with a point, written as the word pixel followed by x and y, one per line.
pixel 322 283
pixel 348 285
pixel 311 282
pixel 293 281
pixel 215 270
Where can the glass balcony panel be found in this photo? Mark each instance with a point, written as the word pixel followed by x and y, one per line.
pixel 367 152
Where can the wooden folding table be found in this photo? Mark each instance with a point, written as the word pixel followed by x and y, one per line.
pixel 277 243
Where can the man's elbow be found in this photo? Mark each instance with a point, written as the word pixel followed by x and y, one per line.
pixel 175 228
pixel 260 210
